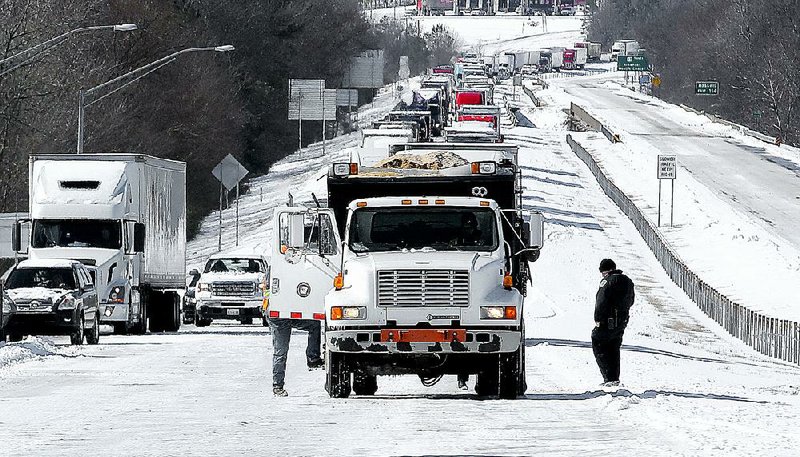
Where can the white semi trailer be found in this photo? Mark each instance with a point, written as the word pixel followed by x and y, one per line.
pixel 124 215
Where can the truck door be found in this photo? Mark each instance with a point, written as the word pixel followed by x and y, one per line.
pixel 306 256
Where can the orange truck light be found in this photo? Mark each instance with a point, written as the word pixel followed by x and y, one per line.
pixel 338 282
pixel 508 282
pixel 336 313
pixel 511 312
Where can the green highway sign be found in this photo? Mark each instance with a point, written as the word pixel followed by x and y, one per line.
pixel 706 88
pixel 632 63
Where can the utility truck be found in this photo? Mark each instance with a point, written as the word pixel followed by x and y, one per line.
pixel 125 216
pixel 429 268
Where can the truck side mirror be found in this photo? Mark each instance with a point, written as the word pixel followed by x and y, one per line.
pixel 535 228
pixel 138 237
pixel 194 272
pixel 18 236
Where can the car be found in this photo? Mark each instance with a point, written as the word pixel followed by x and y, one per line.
pixel 231 287
pixel 529 69
pixel 52 297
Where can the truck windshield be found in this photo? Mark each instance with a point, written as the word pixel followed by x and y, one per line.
pixel 80 233
pixel 444 229
pixel 50 278
pixel 233 265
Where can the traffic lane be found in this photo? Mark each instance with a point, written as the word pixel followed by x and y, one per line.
pixel 743 175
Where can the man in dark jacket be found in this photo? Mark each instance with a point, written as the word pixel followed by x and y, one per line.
pixel 614 300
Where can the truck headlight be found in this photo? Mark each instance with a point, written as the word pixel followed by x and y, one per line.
pixel 203 287
pixel 498 312
pixel 348 312
pixel 117 294
pixel 6 305
pixel 67 303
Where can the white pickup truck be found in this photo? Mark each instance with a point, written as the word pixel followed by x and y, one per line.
pixel 231 287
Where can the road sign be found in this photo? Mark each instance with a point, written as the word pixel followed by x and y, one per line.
pixel 706 88
pixel 310 101
pixel 645 80
pixel 229 172
pixel 667 166
pixel 632 63
pixel 656 81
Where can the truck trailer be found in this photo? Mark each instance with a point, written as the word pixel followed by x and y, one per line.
pixel 125 216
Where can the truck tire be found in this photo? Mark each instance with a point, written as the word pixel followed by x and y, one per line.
pixel 200 322
pixel 172 312
pixel 338 377
pixel 93 337
pixel 364 384
pixel 509 375
pixel 76 337
pixel 156 311
pixel 486 384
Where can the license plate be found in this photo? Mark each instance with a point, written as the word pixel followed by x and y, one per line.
pixel 232 312
pixel 423 336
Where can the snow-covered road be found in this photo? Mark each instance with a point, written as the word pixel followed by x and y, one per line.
pixel 746 175
pixel 688 388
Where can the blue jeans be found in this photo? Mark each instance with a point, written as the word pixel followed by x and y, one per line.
pixel 281 333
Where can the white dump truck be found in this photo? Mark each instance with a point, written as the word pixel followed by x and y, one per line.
pixel 125 216
pixel 430 277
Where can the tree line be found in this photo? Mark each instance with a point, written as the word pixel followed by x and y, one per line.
pixel 197 109
pixel 752 48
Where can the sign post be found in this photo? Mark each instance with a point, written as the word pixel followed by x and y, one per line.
pixel 229 172
pixel 667 169
pixel 706 88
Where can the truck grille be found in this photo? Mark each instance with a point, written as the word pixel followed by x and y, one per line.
pixel 423 288
pixel 233 289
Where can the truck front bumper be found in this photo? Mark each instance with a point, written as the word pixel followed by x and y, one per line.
pixel 111 313
pixel 234 310
pixel 476 340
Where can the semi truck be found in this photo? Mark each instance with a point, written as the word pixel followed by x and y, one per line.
pixel 624 48
pixel 574 58
pixel 593 50
pixel 124 215
pixel 436 7
pixel 429 268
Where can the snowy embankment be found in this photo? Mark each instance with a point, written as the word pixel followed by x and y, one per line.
pixel 32 348
pixel 731 249
pixel 301 174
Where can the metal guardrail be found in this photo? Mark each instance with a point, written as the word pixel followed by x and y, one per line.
pixel 778 338
pixel 572 73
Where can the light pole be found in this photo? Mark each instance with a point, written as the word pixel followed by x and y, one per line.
pixel 34 51
pixel 133 75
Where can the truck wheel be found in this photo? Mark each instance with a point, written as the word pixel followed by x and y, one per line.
pixel 509 375
pixel 171 314
pixel 200 322
pixel 364 384
pixel 140 328
pixel 76 337
pixel 93 337
pixel 156 311
pixel 338 378
pixel 488 379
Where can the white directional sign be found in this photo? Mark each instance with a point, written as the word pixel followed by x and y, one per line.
pixel 667 167
pixel 229 172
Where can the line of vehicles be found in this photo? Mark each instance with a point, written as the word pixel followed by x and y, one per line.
pixel 491 7
pixel 416 260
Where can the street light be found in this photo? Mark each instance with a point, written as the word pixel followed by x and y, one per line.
pixel 53 42
pixel 133 75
